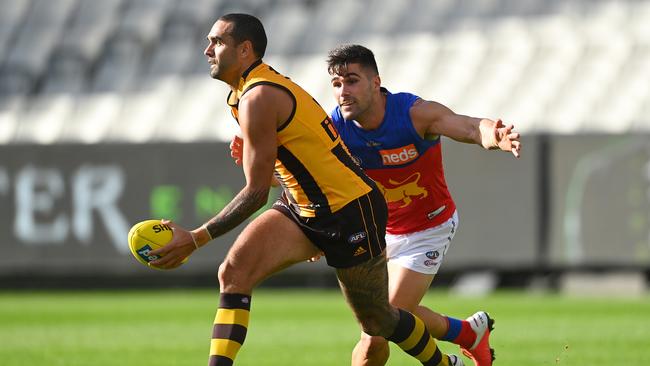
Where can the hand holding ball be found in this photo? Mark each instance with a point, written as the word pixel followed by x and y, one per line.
pixel 146 236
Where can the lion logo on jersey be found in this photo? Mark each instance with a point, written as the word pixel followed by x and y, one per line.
pixel 403 191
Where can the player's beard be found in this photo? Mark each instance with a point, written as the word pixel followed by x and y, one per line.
pixel 361 103
pixel 352 112
pixel 214 71
pixel 218 69
pixel 349 112
pixel 224 65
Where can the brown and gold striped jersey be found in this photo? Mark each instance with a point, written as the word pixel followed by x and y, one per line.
pixel 313 166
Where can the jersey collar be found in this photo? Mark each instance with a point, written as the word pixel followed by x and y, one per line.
pixel 251 68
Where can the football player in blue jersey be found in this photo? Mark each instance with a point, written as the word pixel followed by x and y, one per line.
pixel 396 140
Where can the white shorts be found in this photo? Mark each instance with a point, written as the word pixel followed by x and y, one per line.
pixel 422 251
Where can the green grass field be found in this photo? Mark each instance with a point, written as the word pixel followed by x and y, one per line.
pixel 302 327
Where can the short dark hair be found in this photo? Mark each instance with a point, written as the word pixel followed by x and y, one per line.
pixel 341 56
pixel 246 27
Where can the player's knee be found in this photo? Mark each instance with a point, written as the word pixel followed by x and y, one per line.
pixel 371 326
pixel 232 279
pixel 223 274
pixel 373 346
pixel 377 323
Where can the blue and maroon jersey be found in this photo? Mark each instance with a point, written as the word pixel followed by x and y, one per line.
pixel 407 168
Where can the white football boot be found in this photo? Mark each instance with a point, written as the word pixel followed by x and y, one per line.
pixel 455 361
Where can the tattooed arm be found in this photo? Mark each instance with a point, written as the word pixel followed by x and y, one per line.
pixel 261 110
pixel 239 209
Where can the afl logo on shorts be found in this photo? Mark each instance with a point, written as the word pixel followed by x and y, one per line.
pixel 433 254
pixel 355 238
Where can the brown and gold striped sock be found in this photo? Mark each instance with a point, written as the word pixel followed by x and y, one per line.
pixel 413 337
pixel 230 326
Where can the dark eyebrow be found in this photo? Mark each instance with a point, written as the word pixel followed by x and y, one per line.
pixel 214 39
pixel 347 75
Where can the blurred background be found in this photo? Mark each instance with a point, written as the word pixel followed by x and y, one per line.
pixel 108 117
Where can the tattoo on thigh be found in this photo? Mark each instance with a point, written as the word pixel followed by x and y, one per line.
pixel 365 285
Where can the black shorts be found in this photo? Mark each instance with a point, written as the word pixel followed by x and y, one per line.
pixel 349 236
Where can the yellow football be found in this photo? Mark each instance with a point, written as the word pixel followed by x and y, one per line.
pixel 146 236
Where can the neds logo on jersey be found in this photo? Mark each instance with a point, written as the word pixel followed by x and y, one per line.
pixel 401 155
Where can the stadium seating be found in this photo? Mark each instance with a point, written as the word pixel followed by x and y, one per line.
pixel 133 70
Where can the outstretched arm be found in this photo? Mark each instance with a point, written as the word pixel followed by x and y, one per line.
pixel 432 119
